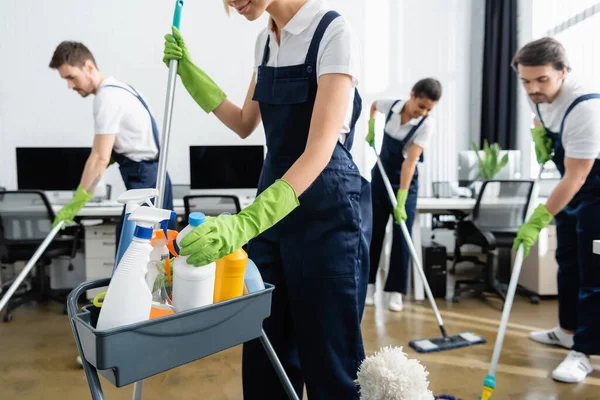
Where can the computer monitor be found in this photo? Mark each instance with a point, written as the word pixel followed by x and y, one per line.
pixel 468 166
pixel 50 168
pixel 225 167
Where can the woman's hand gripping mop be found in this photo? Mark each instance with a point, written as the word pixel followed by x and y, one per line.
pixel 445 342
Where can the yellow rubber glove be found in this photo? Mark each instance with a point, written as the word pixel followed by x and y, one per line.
pixel 203 90
pixel 400 210
pixel 543 145
pixel 70 210
pixel 528 233
pixel 371 135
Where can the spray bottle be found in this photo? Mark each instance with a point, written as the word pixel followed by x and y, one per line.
pixel 128 299
pixel 133 199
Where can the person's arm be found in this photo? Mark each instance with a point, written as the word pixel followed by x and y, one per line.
pixel 329 111
pixel 576 172
pixel 242 121
pixel 97 161
pixel 409 165
pixel 373 112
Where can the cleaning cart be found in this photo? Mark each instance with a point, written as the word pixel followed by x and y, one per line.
pixel 134 352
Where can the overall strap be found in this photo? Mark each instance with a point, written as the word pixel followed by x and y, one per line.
pixel 539 114
pixel 574 103
pixel 413 131
pixel 313 50
pixel 266 52
pixel 389 114
pixel 136 94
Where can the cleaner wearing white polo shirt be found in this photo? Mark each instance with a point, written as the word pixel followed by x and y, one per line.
pixel 568 125
pixel 309 227
pixel 408 129
pixel 124 128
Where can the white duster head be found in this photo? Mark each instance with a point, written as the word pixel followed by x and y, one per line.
pixel 390 375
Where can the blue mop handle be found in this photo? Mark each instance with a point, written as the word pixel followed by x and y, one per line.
pixel 177 15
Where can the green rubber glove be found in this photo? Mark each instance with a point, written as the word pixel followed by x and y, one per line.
pixel 528 233
pixel 543 145
pixel 371 135
pixel 222 235
pixel 202 89
pixel 400 210
pixel 70 210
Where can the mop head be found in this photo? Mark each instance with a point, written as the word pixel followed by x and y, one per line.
pixel 390 375
pixel 446 343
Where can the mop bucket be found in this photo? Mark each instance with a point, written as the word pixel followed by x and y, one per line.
pixel 134 352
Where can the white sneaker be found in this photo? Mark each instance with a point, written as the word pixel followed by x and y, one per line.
pixel 554 336
pixel 370 300
pixel 395 301
pixel 79 361
pixel 574 368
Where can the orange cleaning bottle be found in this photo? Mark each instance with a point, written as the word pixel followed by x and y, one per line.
pixel 229 276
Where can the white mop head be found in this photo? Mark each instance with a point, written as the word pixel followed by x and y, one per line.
pixel 390 375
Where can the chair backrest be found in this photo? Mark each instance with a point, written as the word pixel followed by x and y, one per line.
pixel 25 215
pixel 502 205
pixel 211 205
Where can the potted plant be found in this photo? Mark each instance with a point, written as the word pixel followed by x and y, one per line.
pixel 491 163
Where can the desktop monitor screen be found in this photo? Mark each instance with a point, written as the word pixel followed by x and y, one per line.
pixel 225 167
pixel 50 168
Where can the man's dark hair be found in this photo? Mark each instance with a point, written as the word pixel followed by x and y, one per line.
pixel 429 88
pixel 72 53
pixel 540 52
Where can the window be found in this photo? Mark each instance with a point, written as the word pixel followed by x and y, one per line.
pixel 576 24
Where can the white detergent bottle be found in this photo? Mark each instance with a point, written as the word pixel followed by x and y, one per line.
pixel 128 299
pixel 192 286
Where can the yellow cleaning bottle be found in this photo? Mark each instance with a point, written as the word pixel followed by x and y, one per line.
pixel 229 276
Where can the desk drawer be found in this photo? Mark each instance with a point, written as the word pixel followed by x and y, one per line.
pixel 104 231
pixel 100 248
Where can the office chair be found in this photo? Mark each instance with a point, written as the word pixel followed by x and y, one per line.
pixel 211 205
pixel 25 221
pixel 448 220
pixel 500 210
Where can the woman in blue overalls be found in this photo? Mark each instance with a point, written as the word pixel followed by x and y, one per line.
pixel 407 131
pixel 309 227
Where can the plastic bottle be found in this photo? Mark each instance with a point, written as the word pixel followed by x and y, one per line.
pixel 162 249
pixel 128 299
pixel 252 278
pixel 192 286
pixel 229 276
pixel 133 199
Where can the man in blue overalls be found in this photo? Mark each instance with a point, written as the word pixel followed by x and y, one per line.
pixel 123 125
pixel 124 129
pixel 408 129
pixel 567 131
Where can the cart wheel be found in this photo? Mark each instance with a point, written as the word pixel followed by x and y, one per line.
pixel 7 317
pixel 455 299
pixel 534 300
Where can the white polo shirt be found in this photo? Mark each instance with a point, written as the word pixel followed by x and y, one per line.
pixel 581 132
pixel 119 112
pixel 339 51
pixel 395 129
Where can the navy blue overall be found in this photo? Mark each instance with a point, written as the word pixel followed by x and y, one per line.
pixel 392 159
pixel 317 256
pixel 142 174
pixel 577 226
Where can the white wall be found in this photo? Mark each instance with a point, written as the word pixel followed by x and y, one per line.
pixel 402 41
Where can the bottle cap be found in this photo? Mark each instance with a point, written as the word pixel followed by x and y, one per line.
pixel 196 218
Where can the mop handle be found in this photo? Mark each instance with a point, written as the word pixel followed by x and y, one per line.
pixel 161 177
pixel 34 259
pixel 512 288
pixel 409 242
